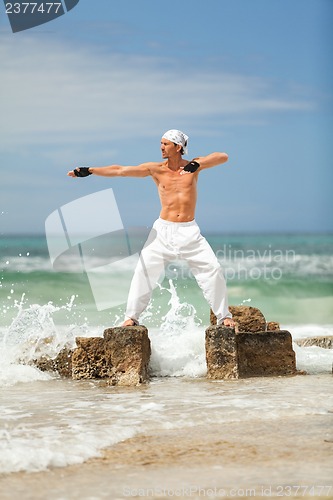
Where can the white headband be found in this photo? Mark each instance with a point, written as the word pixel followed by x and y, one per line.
pixel 177 137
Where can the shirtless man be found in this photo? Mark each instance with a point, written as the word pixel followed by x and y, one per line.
pixel 175 235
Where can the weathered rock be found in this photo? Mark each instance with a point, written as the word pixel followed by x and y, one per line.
pixel 263 354
pixel 122 356
pixel 272 326
pixel 130 348
pixel 62 364
pixel 248 319
pixel 248 354
pixel 89 359
pixel 325 342
pixel 221 353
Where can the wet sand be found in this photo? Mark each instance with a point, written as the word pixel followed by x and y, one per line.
pixel 255 459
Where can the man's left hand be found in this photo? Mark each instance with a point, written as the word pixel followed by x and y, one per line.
pixel 190 168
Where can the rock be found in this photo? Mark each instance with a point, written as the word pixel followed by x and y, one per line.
pixel 221 353
pixel 248 319
pixel 62 364
pixel 44 364
pixel 325 342
pixel 248 354
pixel 89 359
pixel 130 348
pixel 121 356
pixel 272 326
pixel 263 354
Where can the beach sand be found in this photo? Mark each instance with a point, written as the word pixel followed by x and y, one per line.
pixel 285 457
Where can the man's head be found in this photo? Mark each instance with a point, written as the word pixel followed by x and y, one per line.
pixel 179 140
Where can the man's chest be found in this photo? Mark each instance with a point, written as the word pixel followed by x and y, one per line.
pixel 173 182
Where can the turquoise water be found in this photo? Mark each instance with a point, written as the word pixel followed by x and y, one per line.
pixel 289 277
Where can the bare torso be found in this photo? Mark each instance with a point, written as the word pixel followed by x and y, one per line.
pixel 177 187
pixel 178 193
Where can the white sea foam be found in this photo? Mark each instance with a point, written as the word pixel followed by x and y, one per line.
pixel 178 345
pixel 57 423
pixel 309 330
pixel 13 373
pixel 236 261
pixel 33 334
pixel 314 359
pixel 48 443
pixel 26 264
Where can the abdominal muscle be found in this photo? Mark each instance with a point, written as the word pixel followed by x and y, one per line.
pixel 178 198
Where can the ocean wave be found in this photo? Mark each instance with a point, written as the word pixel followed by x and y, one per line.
pixel 299 266
pixel 295 266
pixel 31 449
pixel 26 264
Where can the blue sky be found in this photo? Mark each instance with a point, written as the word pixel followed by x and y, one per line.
pixel 102 83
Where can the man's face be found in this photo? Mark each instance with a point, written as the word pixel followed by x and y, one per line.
pixel 169 149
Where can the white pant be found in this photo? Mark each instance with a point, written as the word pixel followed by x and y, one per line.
pixel 169 241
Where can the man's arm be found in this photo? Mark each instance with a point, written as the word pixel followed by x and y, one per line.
pixel 142 170
pixel 202 162
pixel 211 160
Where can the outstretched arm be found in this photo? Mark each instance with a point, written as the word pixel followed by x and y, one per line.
pixel 202 162
pixel 142 170
pixel 212 160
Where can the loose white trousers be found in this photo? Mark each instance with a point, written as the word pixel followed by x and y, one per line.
pixel 170 241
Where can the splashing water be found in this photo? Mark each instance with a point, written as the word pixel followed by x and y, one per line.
pixel 31 336
pixel 33 333
pixel 178 345
pixel 180 316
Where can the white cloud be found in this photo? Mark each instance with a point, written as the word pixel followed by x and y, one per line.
pixel 55 92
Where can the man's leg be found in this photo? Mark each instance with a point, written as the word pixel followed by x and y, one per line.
pixel 209 275
pixel 148 271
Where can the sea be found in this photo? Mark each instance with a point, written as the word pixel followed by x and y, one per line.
pixel 44 307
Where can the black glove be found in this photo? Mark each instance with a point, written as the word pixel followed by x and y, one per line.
pixel 81 171
pixel 192 166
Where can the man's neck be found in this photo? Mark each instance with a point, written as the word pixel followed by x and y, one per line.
pixel 174 163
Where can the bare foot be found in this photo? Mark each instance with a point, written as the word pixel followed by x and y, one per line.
pixel 229 322
pixel 129 322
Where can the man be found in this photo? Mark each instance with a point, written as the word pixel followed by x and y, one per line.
pixel 175 235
